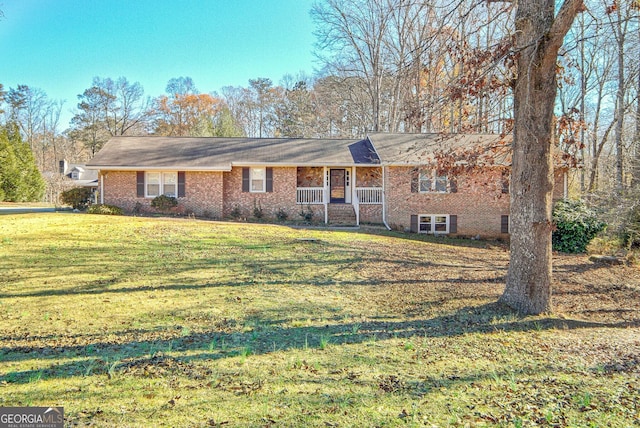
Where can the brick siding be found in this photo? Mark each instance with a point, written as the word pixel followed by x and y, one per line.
pixel 479 202
pixel 283 197
pixel 203 193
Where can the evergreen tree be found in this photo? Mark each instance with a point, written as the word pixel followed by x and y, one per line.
pixel 20 180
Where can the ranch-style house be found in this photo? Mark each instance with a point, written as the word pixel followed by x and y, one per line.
pixel 424 183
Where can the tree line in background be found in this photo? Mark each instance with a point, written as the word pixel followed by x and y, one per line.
pixel 385 65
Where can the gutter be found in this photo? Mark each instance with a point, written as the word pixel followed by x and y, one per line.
pixel 157 168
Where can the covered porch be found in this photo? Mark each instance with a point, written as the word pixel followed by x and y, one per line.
pixel 341 190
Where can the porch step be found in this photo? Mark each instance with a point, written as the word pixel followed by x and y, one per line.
pixel 342 214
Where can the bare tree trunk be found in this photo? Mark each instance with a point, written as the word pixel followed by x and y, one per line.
pixel 620 94
pixel 539 37
pixel 636 136
pixel 597 151
pixel 583 93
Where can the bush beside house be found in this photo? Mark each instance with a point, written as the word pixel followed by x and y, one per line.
pixel 576 225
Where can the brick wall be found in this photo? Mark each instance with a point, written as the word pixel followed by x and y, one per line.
pixel 120 189
pixel 282 198
pixel 203 193
pixel 371 214
pixel 478 203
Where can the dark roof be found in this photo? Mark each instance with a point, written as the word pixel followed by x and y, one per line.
pixel 209 153
pixel 421 149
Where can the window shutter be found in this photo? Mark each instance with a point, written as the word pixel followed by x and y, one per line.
pixel 414 223
pixel 453 185
pixel 453 223
pixel 181 184
pixel 414 181
pixel 269 183
pixel 505 183
pixel 504 224
pixel 245 179
pixel 140 184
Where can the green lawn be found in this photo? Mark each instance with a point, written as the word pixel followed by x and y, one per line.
pixel 143 322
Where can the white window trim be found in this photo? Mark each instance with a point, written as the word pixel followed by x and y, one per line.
pixel 432 222
pixel 263 178
pixel 433 177
pixel 161 183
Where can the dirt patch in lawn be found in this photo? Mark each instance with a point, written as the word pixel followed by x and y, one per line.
pixel 412 282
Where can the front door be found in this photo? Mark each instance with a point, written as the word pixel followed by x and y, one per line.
pixel 337 183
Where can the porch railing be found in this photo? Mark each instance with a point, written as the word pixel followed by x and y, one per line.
pixel 310 195
pixel 369 195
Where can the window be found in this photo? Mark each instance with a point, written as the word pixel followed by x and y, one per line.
pixel 258 179
pixel 161 183
pixel 505 182
pixel 433 223
pixel 504 224
pixel 75 175
pixel 170 184
pixel 430 181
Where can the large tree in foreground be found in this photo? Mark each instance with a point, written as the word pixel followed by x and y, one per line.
pixel 539 34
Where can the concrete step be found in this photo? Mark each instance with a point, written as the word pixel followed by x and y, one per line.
pixel 341 214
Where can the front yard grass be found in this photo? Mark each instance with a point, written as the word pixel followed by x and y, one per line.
pixel 137 322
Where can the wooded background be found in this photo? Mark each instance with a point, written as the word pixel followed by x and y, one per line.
pixel 383 65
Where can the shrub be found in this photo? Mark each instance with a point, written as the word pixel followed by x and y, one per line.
pixel 164 203
pixel 257 210
pixel 281 215
pixel 306 215
pixel 78 197
pixel 631 228
pixel 576 225
pixel 105 209
pixel 236 213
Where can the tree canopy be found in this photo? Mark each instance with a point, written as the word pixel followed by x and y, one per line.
pixel 20 180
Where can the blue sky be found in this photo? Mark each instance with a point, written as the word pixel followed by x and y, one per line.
pixel 60 45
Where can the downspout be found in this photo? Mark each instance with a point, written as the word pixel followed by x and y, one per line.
pixel 325 195
pixel 565 185
pixel 384 199
pixel 101 189
pixel 355 202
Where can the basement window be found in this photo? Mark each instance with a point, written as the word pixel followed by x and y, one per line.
pixel 433 223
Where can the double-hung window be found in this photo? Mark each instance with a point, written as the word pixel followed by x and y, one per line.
pixel 258 178
pixel 429 181
pixel 433 223
pixel 161 183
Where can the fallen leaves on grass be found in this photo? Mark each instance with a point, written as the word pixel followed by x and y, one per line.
pixel 391 383
pixel 161 366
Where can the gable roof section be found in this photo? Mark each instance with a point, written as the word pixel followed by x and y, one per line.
pixel 423 149
pixel 220 154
